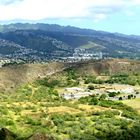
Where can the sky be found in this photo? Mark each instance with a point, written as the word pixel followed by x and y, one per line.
pixel 122 16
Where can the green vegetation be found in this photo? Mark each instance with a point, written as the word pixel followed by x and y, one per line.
pixel 131 79
pixel 134 103
pixel 91 87
pixel 49 38
pixel 92 79
pixel 38 107
pixel 92 45
pixel 113 94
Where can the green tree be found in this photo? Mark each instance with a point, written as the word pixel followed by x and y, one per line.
pixel 91 87
pixel 103 97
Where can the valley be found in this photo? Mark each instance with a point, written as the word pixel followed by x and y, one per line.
pixel 45 42
pixel 103 100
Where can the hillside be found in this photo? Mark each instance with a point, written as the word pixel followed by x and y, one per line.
pixel 38 108
pixel 56 41
pixel 12 76
pixel 112 66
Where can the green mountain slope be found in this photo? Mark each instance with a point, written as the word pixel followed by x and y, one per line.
pixel 63 40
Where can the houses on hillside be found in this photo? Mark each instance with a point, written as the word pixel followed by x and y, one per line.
pixel 83 55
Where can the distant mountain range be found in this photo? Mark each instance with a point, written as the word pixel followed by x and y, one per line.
pixel 55 41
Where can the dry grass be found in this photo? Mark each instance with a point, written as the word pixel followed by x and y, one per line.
pixel 134 103
pixel 13 76
pixel 91 108
pixel 63 109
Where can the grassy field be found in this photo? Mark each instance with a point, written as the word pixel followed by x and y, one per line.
pixel 134 103
pixel 91 45
pixel 42 110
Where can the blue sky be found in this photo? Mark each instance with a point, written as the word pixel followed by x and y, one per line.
pixel 108 15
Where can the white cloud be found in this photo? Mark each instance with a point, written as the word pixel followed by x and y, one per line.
pixel 129 13
pixel 42 9
pixel 7 2
pixel 99 17
pixel 135 2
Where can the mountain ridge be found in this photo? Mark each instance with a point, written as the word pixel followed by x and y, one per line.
pixel 15 75
pixel 41 37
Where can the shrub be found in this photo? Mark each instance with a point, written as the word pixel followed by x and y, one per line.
pixel 113 94
pixel 91 87
pixel 129 96
pixel 94 101
pixel 32 121
pixel 120 98
pixel 103 97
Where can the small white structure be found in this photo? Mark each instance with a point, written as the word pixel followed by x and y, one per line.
pixel 68 96
pixel 75 93
pixel 74 89
pixel 127 90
